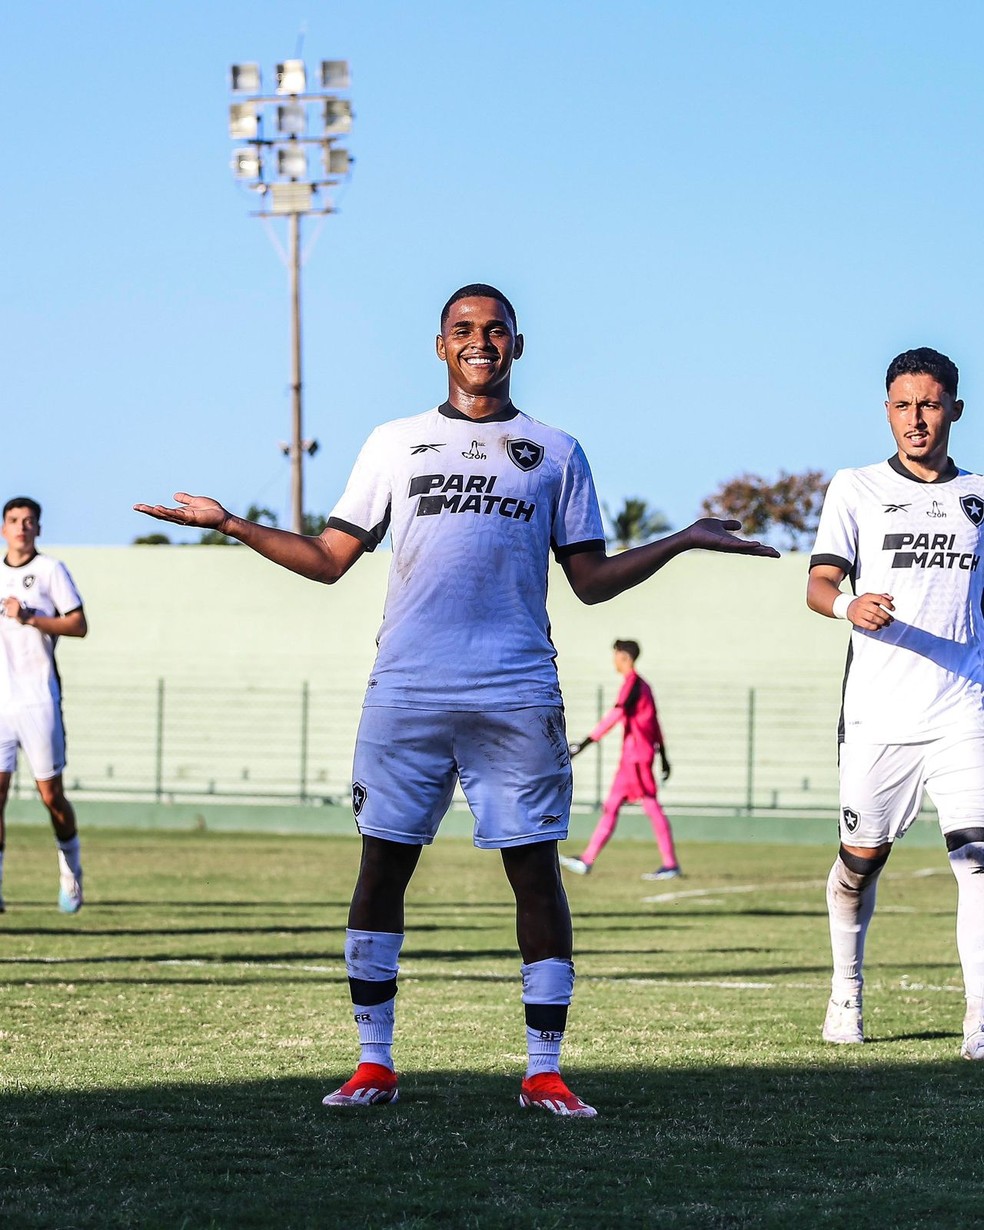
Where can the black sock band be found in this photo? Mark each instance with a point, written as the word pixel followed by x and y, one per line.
pixel 549 1017
pixel 962 837
pixel 371 993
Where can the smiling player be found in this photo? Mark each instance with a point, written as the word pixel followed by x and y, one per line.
pixel 908 533
pixel 475 494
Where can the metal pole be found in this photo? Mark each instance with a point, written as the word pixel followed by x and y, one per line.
pixel 296 451
pixel 305 712
pixel 750 761
pixel 159 749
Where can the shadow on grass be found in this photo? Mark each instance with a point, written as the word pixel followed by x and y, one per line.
pixel 842 1142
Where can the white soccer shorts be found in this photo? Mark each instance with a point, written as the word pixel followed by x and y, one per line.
pixel 881 786
pixel 514 768
pixel 39 730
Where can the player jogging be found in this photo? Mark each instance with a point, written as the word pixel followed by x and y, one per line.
pixel 475 495
pixel 907 532
pixel 38 604
pixel 642 737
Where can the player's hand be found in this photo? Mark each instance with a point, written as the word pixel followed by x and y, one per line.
pixel 198 510
pixel 10 607
pixel 871 611
pixel 710 534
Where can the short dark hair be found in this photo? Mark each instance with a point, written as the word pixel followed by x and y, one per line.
pixel 23 501
pixel 923 361
pixel 478 290
pixel 629 647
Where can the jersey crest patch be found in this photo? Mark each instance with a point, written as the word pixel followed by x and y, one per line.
pixel 973 506
pixel 526 454
pixel 359 793
pixel 30 578
pixel 852 819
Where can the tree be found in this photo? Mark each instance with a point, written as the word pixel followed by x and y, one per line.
pixel 313 523
pixel 262 516
pixel 151 540
pixel 789 506
pixel 634 523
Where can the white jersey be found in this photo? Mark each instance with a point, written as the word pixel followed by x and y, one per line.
pixel 922 543
pixel 27 656
pixel 474 508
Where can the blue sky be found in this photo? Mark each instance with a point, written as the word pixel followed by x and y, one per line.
pixel 718 224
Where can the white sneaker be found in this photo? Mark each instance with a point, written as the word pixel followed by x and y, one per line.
pixel 576 865
pixel 70 894
pixel 843 1024
pixel 973 1031
pixel 663 873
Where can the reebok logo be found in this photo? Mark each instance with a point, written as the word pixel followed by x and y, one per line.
pixel 423 448
pixel 890 508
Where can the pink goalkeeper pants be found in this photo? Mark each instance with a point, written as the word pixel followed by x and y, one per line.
pixel 634 783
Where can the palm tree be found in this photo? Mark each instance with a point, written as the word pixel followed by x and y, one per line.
pixel 634 523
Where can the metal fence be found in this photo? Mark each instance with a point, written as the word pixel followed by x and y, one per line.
pixel 737 750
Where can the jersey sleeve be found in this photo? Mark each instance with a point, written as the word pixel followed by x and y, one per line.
pixel 365 506
pixel 837 534
pixel 64 594
pixel 577 522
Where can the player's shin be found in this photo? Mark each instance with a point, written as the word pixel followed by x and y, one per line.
pixel 547 990
pixel 851 891
pixel 371 961
pixel 966 853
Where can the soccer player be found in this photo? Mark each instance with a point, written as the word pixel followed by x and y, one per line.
pixel 475 494
pixel 38 604
pixel 642 737
pixel 907 532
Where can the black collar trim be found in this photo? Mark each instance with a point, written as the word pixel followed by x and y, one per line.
pixel 947 476
pixel 507 412
pixel 6 560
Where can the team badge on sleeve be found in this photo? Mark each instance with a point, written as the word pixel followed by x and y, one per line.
pixel 973 506
pixel 851 819
pixel 359 793
pixel 525 454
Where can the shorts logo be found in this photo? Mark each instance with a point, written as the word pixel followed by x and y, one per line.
pixel 973 506
pixel 29 580
pixel 525 454
pixel 852 819
pixel 359 793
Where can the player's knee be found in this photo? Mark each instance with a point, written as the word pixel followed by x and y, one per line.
pixel 960 838
pixel 855 871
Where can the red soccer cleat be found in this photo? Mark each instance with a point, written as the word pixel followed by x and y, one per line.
pixel 548 1091
pixel 371 1085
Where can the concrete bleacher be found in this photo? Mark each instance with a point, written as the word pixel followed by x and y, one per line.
pixel 210 675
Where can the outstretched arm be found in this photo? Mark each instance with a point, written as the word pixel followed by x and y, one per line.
pixel 326 557
pixel 72 624
pixel 596 577
pixel 868 611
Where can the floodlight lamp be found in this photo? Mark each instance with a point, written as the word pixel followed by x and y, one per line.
pixel 310 447
pixel 291 77
pixel 292 119
pixel 243 121
pixel 292 161
pixel 338 116
pixel 245 78
pixel 291 198
pixel 335 75
pixel 246 162
pixel 337 161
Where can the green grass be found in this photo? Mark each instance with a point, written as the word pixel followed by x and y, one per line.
pixel 163 1055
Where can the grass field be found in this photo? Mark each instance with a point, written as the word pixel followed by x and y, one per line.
pixel 163 1055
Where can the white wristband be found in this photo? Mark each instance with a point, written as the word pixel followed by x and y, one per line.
pixel 841 603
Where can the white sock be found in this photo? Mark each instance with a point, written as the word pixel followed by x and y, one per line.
pixel 850 905
pixel 547 990
pixel 69 857
pixel 372 962
pixel 967 865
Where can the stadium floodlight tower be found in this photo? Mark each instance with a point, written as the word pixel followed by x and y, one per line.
pixel 293 169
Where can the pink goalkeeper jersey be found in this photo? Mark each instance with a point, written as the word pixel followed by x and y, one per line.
pixel 635 708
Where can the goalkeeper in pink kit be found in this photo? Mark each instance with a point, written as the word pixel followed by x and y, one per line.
pixel 635 708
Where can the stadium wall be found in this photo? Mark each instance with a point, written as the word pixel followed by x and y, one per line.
pixel 210 675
